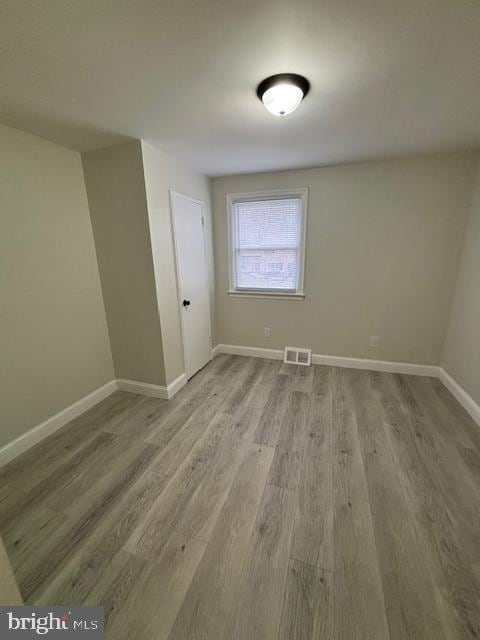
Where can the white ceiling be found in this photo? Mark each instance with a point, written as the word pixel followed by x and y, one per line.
pixel 389 77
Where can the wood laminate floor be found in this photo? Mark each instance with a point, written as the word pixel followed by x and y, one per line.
pixel 264 502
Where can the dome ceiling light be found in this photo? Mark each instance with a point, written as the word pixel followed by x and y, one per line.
pixel 281 94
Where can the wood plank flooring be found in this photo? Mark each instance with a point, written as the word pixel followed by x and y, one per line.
pixel 263 502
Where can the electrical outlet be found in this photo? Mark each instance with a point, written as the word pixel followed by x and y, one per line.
pixel 374 341
pixel 266 332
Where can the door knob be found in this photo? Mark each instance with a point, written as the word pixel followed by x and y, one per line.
pixel 186 303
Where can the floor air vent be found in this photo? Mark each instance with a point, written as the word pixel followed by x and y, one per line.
pixel 296 355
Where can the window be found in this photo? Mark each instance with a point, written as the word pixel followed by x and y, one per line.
pixel 267 243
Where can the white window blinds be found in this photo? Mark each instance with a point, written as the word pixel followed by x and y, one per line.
pixel 267 243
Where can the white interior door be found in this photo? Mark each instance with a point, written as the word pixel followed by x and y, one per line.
pixel 188 226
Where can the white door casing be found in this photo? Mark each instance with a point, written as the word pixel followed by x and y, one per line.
pixel 192 279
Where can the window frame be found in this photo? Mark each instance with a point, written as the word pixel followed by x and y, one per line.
pixel 276 194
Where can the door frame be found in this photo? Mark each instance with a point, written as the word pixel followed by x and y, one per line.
pixel 172 195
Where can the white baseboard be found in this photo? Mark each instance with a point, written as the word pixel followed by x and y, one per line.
pixel 254 352
pixel 432 371
pixel 144 388
pixel 154 390
pixel 175 386
pixel 36 434
pixel 467 402
pixel 377 365
pixel 32 437
pixel 334 361
pixel 215 351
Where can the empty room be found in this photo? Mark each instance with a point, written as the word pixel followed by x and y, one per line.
pixel 240 319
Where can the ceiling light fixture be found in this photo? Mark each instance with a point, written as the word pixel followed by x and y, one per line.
pixel 281 94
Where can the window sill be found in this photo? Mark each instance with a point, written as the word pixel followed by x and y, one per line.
pixel 267 294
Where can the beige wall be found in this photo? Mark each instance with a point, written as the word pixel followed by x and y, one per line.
pixel 163 173
pixel 461 357
pixel 384 241
pixel 383 245
pixel 128 191
pixel 118 208
pixel 53 341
